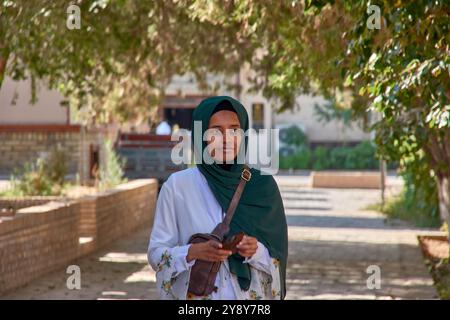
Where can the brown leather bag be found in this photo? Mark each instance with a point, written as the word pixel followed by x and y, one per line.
pixel 203 273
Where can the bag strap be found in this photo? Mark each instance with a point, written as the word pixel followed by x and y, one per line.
pixel 245 176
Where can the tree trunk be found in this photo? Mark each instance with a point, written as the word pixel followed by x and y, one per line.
pixel 443 184
pixel 438 147
pixel 3 61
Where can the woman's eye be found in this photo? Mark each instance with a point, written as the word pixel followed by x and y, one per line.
pixel 214 133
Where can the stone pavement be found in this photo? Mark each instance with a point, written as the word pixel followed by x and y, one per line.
pixel 332 242
pixel 117 272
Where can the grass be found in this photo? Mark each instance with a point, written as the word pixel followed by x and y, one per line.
pixel 70 190
pixel 10 193
pixel 397 208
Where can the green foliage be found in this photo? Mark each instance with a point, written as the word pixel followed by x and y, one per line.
pixel 32 180
pixel 56 166
pixel 320 159
pixel 319 46
pixel 418 201
pixel 293 136
pixel 331 111
pixel 421 199
pixel 301 160
pixel 420 183
pixel 400 72
pixel 339 157
pixel 415 205
pixel 117 65
pixel 363 156
pixel 44 177
pixel 111 170
pixel 360 157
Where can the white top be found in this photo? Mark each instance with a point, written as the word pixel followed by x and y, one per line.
pixel 163 128
pixel 186 205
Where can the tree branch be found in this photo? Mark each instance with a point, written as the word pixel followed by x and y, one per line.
pixel 3 62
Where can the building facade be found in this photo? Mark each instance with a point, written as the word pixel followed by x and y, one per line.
pixel 30 131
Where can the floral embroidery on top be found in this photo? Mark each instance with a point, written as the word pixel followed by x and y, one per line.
pixel 275 293
pixel 165 260
pixel 254 295
pixel 166 286
pixel 266 282
pixel 276 262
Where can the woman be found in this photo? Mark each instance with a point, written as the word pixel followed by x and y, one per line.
pixel 195 200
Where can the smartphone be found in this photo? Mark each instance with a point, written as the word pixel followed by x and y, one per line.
pixel 232 242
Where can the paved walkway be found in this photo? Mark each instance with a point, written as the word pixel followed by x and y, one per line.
pixel 332 242
pixel 118 272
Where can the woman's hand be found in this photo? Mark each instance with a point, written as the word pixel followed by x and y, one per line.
pixel 207 251
pixel 248 246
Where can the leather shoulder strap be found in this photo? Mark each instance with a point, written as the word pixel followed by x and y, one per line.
pixel 245 176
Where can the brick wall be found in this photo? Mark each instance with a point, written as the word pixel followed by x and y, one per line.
pixel 36 241
pixel 16 148
pixel 43 238
pixel 111 214
pixel 22 143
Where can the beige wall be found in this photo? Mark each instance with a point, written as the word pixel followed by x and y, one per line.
pixel 47 109
pixel 305 117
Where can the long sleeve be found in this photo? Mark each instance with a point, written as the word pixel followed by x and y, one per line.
pixel 165 254
pixel 261 260
pixel 268 273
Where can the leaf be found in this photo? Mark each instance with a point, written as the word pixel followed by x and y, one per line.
pixel 348 81
pixel 372 60
pixel 378 99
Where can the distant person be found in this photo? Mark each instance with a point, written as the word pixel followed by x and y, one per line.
pixel 163 128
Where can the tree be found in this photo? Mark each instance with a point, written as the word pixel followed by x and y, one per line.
pixel 401 70
pixel 127 51
pixel 119 62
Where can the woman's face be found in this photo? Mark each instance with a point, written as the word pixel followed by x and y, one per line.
pixel 223 136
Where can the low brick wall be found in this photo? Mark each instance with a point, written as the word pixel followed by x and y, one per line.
pixel 346 179
pixel 19 203
pixel 110 215
pixel 39 239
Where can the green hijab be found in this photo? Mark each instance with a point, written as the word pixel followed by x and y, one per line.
pixel 260 212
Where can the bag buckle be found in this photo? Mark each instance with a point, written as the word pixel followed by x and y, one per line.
pixel 246 174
